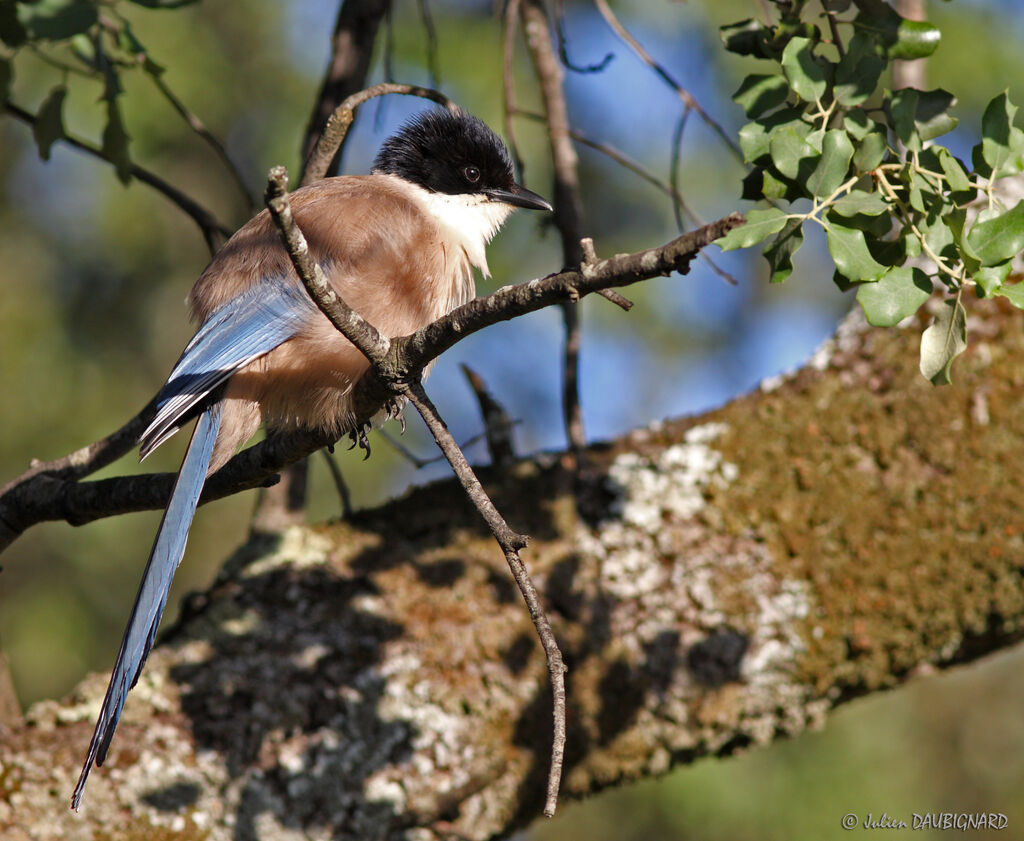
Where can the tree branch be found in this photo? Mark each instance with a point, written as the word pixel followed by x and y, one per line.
pixel 37 496
pixel 316 166
pixel 355 32
pixel 377 679
pixel 568 207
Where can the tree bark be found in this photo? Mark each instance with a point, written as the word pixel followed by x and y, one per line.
pixel 725 580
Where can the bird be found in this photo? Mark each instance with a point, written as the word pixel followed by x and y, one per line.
pixel 399 246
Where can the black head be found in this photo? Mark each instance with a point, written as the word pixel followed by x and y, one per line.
pixel 454 153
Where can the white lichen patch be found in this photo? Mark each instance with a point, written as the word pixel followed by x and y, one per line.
pixel 672 576
pixel 647 493
pixel 299 548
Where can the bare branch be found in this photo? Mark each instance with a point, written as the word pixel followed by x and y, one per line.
pixel 375 348
pixel 318 162
pixel 347 321
pixel 39 496
pixel 282 504
pixel 626 162
pixel 510 543
pixel 568 207
pixel 563 47
pixel 199 127
pixel 497 423
pixel 355 31
pixel 509 22
pixel 213 231
pixel 339 484
pixel 432 53
pixel 684 95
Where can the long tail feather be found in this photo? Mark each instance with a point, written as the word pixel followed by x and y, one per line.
pixel 156 582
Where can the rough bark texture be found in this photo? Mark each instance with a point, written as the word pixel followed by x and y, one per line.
pixel 737 575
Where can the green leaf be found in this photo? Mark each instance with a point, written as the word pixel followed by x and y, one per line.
pixel 990 278
pixel 791 152
pixel 115 143
pixel 858 71
pixel 1002 144
pixel 918 116
pixel 55 20
pixel 859 202
pixel 806 76
pixel 895 295
pixel 915 39
pixel 955 172
pixel 874 227
pixel 870 152
pixel 1013 293
pixel 836 152
pixel 903 38
pixel 1000 237
pixel 850 253
pixel 956 220
pixel 756 136
pixel 939 236
pixel 760 225
pixel 911 244
pixel 780 253
pixel 932 117
pixel 858 124
pixel 49 125
pixel 747 37
pixel 758 94
pixel 12 33
pixel 943 341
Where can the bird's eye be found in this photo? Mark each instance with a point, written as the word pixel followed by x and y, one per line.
pixel 472 174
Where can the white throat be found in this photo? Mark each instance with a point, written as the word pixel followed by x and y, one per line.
pixel 470 220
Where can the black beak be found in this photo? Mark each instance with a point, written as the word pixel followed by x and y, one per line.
pixel 520 197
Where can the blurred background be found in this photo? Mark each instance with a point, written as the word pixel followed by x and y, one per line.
pixel 93 276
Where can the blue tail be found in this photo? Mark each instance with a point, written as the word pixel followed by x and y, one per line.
pixel 156 581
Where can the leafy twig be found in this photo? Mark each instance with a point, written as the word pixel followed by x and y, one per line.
pixel 213 231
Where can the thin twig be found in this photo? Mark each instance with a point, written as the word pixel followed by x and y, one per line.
pixel 418 461
pixel 338 124
pixel 681 92
pixel 340 485
pixel 563 46
pixel 673 170
pixel 568 207
pixel 213 232
pixel 89 459
pixel 510 542
pixel 626 162
pixel 375 348
pixel 834 28
pixel 433 67
pixel 347 321
pixel 355 32
pixel 497 423
pixel 637 168
pixel 200 129
pixel 509 23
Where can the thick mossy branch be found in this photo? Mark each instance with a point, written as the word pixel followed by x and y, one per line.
pixel 733 577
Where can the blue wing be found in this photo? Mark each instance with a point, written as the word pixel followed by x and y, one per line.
pixel 168 549
pixel 233 336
